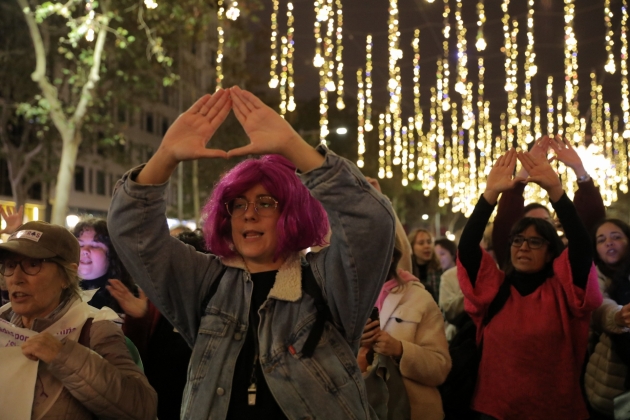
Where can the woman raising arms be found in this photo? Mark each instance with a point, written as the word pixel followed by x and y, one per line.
pixel 273 335
pixel 534 346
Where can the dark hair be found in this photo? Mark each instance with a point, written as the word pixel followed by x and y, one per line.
pixel 194 239
pixel 625 228
pixel 534 206
pixel 448 245
pixel 544 229
pixel 115 267
pixel 302 223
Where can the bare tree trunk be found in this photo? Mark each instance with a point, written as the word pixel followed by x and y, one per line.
pixel 69 126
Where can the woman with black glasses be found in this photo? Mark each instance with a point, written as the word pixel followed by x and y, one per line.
pixel 535 343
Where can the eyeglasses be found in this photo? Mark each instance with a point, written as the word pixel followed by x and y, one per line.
pixel 30 266
pixel 533 242
pixel 264 206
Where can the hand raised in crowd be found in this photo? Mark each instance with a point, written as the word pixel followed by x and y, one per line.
pixel 42 346
pixel 387 345
pixel 501 177
pixel 269 133
pixel 541 173
pixel 566 154
pixel 539 149
pixel 14 219
pixel 186 139
pixel 135 307
pixel 372 328
pixel 622 317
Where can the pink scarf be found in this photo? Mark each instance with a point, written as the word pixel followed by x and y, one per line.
pixel 406 276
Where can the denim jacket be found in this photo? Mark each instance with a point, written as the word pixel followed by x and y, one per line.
pixel 350 272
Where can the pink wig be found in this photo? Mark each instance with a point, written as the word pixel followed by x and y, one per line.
pixel 302 223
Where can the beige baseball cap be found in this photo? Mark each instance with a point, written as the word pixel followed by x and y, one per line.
pixel 43 240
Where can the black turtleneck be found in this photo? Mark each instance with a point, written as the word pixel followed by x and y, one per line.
pixel 580 258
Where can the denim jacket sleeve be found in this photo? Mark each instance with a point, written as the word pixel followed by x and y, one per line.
pixel 174 276
pixel 353 268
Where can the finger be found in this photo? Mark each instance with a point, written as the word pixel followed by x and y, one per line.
pixel 196 107
pixel 511 159
pixel 210 104
pixel 218 106
pixel 21 210
pixel 241 110
pixel 212 154
pixel 551 159
pixel 239 99
pixel 249 99
pixel 3 213
pixel 250 149
pixel 142 295
pixel 525 161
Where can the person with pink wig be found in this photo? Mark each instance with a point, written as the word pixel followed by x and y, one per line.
pixel 274 333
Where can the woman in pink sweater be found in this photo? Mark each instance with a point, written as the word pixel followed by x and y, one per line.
pixel 535 344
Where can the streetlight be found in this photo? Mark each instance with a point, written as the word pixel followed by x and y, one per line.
pixel 342 130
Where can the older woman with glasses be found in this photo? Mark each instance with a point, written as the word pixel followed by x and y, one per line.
pixel 532 320
pixel 59 357
pixel 274 335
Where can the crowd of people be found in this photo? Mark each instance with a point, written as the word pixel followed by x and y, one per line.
pixel 302 295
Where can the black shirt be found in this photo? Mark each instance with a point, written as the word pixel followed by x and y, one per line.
pixel 266 406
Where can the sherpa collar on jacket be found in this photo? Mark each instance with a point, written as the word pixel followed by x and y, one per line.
pixel 288 284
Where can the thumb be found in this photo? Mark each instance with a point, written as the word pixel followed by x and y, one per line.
pixel 250 149
pixel 142 295
pixel 212 153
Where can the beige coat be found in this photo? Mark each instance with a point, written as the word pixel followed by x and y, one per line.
pixel 101 381
pixel 605 372
pixel 414 318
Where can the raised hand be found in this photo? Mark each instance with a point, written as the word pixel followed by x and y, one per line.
pixel 14 219
pixel 568 155
pixel 269 133
pixel 186 139
pixel 541 173
pixel 539 149
pixel 133 306
pixel 501 177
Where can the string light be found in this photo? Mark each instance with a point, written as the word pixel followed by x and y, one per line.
pixel 287 100
pixel 416 81
pixel 462 57
pixel 339 55
pixel 150 4
pixel 273 80
pixel 445 101
pixel 608 15
pixel 360 119
pixel 89 9
pixel 233 11
pixel 381 146
pixel 220 42
pixel 394 84
pixel 571 86
pixel 481 42
pixel 368 84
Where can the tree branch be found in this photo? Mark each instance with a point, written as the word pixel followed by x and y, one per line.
pixel 39 75
pixel 94 76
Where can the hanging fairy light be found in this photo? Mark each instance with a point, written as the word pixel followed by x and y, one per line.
pixel 530 71
pixel 462 56
pixel 339 55
pixel 381 146
pixel 233 12
pixel 608 15
pixel 411 149
pixel 273 79
pixel 394 84
pixel 287 100
pixel 220 42
pixel 321 15
pixel 329 46
pixel 360 119
pixel 416 81
pixel 550 106
pixel 445 100
pixel 368 84
pixel 150 4
pixel 571 87
pixel 481 42
pixel 623 64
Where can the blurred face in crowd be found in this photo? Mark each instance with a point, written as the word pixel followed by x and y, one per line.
pixel 530 258
pixel 447 260
pixel 254 235
pixel 33 295
pixel 423 248
pixel 611 243
pixel 94 262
